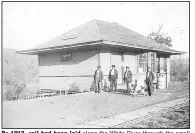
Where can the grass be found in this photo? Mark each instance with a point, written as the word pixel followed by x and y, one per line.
pixel 172 118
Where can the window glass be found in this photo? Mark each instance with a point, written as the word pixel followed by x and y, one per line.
pixel 142 62
pixel 153 62
pixel 158 64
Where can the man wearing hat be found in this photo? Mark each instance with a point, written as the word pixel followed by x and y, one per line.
pixel 127 78
pixel 113 76
pixel 98 77
pixel 149 81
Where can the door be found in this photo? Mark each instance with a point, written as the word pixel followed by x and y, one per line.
pixel 116 59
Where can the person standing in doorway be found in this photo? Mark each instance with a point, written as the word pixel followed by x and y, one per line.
pixel 113 76
pixel 128 78
pixel 98 77
pixel 149 81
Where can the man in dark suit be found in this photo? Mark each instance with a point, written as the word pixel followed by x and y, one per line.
pixel 113 76
pixel 98 77
pixel 127 78
pixel 149 81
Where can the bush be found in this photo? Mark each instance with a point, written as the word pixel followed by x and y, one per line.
pixel 18 72
pixel 179 65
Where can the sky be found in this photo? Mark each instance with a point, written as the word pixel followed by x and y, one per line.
pixel 29 24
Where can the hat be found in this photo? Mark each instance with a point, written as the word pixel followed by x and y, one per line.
pixel 127 67
pixel 113 65
pixel 98 66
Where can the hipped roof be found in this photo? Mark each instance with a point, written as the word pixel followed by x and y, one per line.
pixel 103 32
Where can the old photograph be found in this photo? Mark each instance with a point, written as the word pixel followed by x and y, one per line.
pixel 95 65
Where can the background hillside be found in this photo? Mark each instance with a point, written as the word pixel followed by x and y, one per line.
pixel 20 74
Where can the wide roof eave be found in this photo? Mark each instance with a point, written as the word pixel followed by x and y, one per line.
pixel 111 43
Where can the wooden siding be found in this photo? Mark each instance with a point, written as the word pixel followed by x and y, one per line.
pixel 78 73
pixel 130 60
pixel 82 63
pixel 67 83
pixel 106 65
pixel 55 74
pixel 105 62
pixel 140 78
pixel 167 73
pixel 116 59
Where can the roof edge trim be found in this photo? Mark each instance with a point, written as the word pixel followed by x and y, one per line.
pixel 141 47
pixel 114 43
pixel 35 51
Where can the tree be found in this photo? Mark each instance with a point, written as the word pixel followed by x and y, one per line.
pixel 179 64
pixel 161 38
pixel 179 68
pixel 18 72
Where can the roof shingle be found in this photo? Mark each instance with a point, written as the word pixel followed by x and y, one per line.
pixel 96 30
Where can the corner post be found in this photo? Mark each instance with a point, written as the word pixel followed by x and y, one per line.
pixel 168 72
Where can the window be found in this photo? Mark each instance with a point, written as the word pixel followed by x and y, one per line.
pixel 142 63
pixel 66 57
pixel 157 64
pixel 153 62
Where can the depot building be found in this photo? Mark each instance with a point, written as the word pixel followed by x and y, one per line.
pixel 70 60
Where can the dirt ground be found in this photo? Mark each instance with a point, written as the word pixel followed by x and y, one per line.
pixel 67 111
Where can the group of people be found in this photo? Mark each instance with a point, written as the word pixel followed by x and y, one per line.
pixel 113 76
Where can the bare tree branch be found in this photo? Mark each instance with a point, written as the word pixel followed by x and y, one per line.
pixel 160 28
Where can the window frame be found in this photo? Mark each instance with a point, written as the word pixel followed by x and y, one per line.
pixel 145 62
pixel 153 61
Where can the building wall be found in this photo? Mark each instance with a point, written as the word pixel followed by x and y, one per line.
pixel 164 64
pixel 107 59
pixel 105 62
pixel 140 77
pixel 55 74
pixel 67 83
pixel 167 73
pixel 78 73
pixel 168 70
pixel 129 59
pixel 51 65
pixel 116 59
